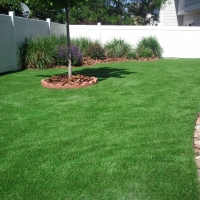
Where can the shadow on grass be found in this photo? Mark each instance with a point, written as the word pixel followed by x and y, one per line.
pixel 10 72
pixel 101 73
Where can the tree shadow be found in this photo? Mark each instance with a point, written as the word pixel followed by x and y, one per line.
pixel 101 73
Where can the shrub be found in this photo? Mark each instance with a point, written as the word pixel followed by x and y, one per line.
pixel 83 44
pixel 117 48
pixel 149 43
pixel 131 55
pixel 22 54
pixel 96 51
pixel 37 52
pixel 62 57
pixel 145 53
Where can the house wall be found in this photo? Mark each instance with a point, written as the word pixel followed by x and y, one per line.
pixel 192 18
pixel 189 10
pixel 191 5
pixel 169 14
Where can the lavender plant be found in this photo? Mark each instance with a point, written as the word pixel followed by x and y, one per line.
pixel 62 57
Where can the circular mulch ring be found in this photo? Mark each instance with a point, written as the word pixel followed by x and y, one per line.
pixel 65 82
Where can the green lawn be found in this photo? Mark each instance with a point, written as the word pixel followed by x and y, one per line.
pixel 129 137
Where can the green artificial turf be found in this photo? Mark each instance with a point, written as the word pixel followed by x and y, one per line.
pixel 129 137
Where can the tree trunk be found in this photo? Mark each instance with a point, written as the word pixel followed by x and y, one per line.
pixel 68 43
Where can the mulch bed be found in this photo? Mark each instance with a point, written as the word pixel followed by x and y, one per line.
pixel 63 79
pixel 87 61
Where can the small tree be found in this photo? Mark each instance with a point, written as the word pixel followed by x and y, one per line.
pixel 62 4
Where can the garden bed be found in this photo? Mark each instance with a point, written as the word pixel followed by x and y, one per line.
pixel 65 82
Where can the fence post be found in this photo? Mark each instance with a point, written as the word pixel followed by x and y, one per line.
pixel 14 45
pixel 99 31
pixel 49 26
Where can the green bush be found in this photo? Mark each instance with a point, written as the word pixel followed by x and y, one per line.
pixel 41 52
pixel 147 45
pixel 117 48
pixel 22 49
pixel 38 52
pixel 96 51
pixel 83 44
pixel 145 53
pixel 132 55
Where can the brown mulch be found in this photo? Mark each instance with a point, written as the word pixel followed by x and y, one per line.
pixel 87 61
pixel 64 79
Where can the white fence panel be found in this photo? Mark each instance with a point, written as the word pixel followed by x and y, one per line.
pixel 88 31
pixel 6 44
pixel 57 29
pixel 29 28
pixel 177 42
pixel 130 34
pixel 103 33
pixel 180 42
pixel 13 31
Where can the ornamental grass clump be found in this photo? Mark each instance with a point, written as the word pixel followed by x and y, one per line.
pixel 145 53
pixel 62 55
pixel 149 47
pixel 132 54
pixel 117 48
pixel 38 52
pixel 96 51
pixel 83 44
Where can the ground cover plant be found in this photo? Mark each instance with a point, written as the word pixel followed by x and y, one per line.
pixel 127 137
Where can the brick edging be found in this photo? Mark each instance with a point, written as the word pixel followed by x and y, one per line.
pixel 196 142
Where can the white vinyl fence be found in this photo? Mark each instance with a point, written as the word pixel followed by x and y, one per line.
pixel 177 42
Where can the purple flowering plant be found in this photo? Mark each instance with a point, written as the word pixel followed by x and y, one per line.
pixel 62 57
